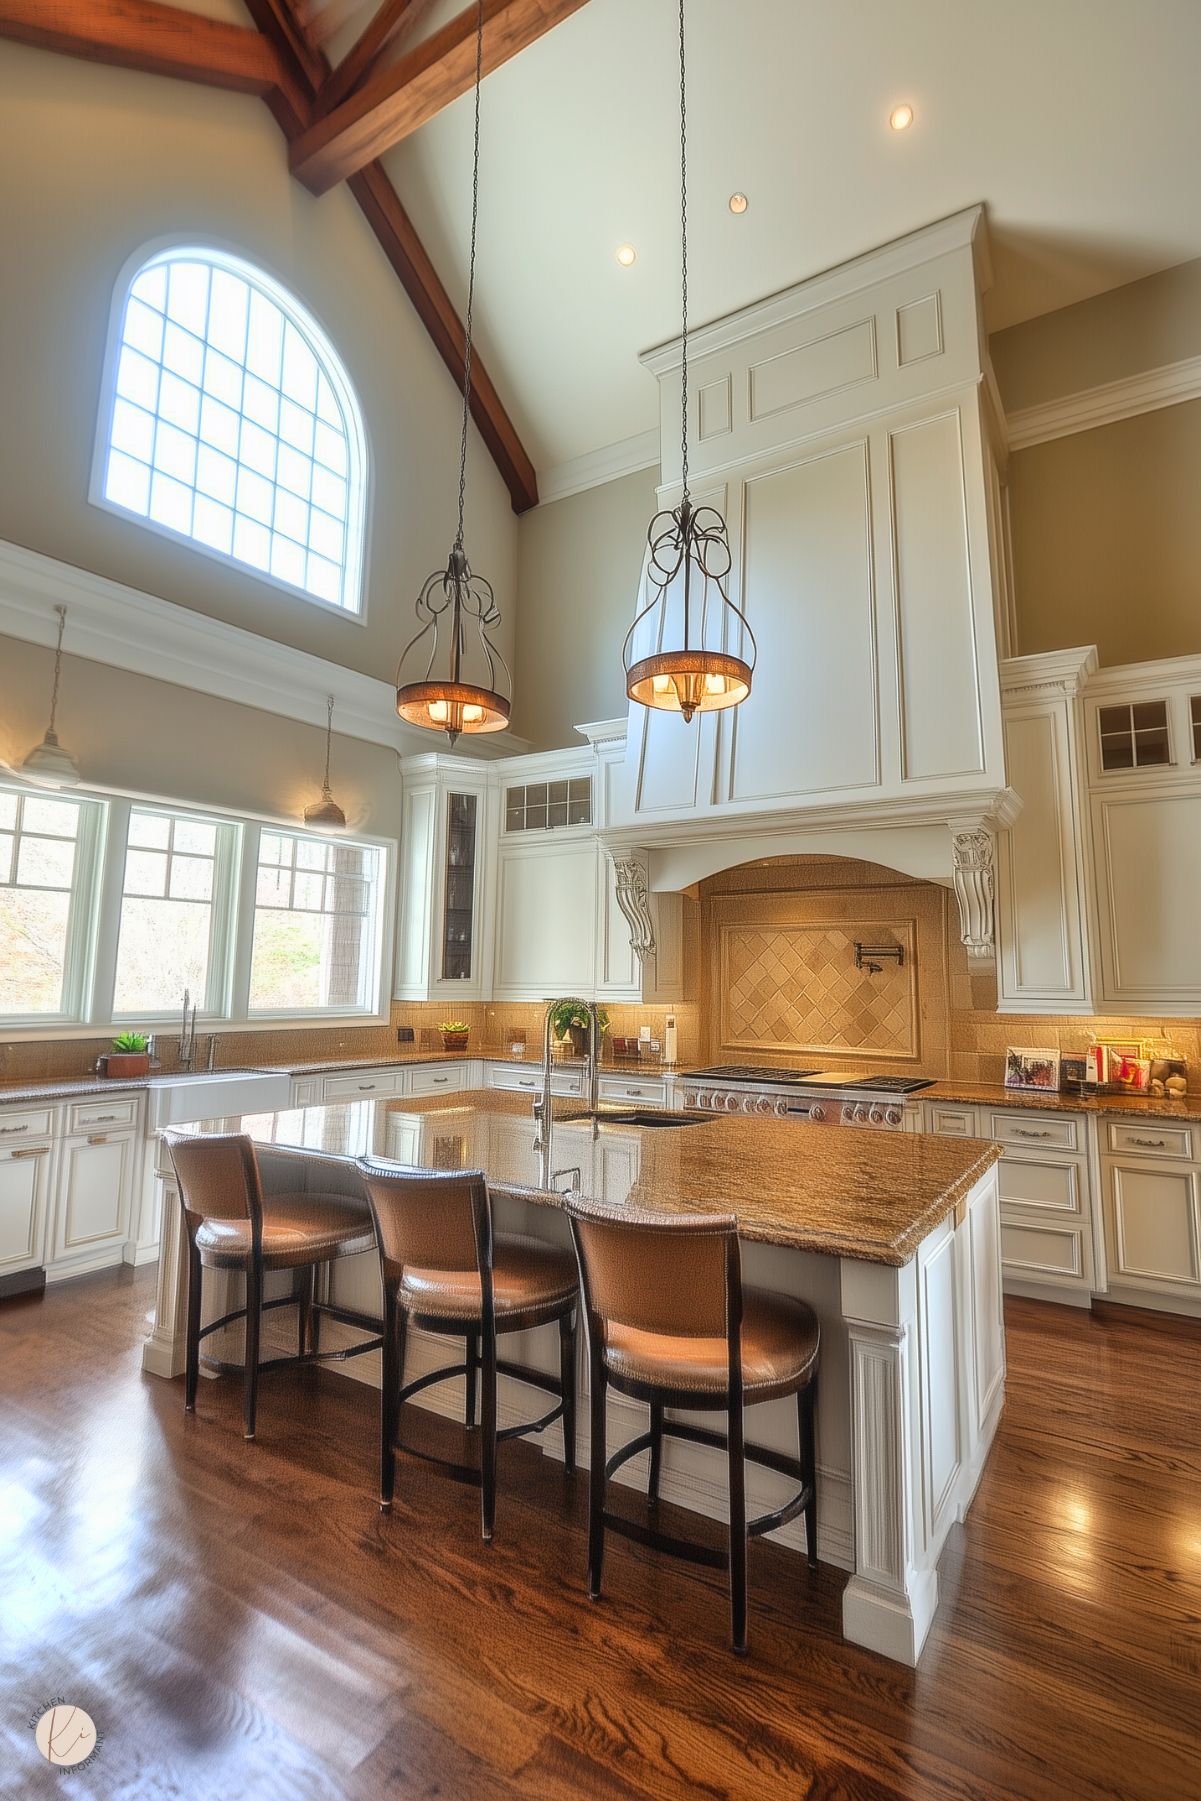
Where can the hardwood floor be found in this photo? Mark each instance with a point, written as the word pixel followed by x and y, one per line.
pixel 241 1621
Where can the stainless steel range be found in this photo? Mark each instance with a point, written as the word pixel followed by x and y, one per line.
pixel 820 1097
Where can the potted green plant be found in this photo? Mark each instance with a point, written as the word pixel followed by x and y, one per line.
pixel 455 1033
pixel 569 1023
pixel 129 1057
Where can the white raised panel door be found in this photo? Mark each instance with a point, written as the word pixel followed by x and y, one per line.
pixel 1041 913
pixel 811 725
pixel 1153 1228
pixel 95 1188
pixel 1147 850
pixel 546 914
pixel 24 1190
pixel 416 897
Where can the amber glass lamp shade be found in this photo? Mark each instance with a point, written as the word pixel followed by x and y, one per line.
pixel 689 681
pixel 452 707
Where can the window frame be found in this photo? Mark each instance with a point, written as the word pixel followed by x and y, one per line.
pixel 359 511
pixel 82 907
pixel 382 913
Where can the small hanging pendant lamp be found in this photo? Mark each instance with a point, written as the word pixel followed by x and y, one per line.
pixel 689 565
pixel 48 761
pixel 325 813
pixel 453 703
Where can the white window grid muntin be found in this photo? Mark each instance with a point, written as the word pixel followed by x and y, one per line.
pixel 214 1003
pixel 230 458
pixel 78 936
pixel 374 880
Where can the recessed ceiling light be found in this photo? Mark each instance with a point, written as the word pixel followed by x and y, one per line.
pixel 738 203
pixel 626 255
pixel 901 117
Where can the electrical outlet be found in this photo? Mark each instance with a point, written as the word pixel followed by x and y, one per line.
pixel 405 1035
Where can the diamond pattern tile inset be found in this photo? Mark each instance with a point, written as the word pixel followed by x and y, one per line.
pixel 797 988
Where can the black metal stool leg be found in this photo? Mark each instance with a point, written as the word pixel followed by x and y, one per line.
pixel 737 1527
pixel 306 1287
pixel 567 1381
pixel 488 1433
pixel 596 1480
pixel 254 1317
pixel 192 1335
pixel 806 1405
pixel 473 1366
pixel 652 1481
pixel 389 1397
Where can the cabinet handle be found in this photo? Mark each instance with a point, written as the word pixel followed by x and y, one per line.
pixel 1150 1144
pixel 1020 1132
pixel 100 1119
pixel 34 1150
pixel 98 1138
pixel 366 1087
pixel 525 1084
pixel 5 1130
pixel 441 1081
pixel 634 1093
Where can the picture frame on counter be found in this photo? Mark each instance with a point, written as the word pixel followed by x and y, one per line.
pixel 1032 1070
pixel 1073 1074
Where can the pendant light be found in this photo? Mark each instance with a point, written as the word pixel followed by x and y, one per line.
pixel 325 813
pixel 453 599
pixel 689 564
pixel 48 761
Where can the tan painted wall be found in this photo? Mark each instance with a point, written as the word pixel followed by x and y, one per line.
pixel 98 163
pixel 139 735
pixel 579 562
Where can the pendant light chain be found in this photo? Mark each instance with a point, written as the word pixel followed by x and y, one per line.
pixel 58 665
pixel 475 207
pixel 684 256
pixel 329 732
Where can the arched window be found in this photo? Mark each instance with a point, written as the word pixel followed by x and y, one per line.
pixel 230 421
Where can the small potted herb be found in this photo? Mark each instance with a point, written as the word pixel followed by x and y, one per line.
pixel 130 1056
pixel 455 1033
pixel 569 1022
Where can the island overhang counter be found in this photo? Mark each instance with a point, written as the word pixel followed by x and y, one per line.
pixel 893 1239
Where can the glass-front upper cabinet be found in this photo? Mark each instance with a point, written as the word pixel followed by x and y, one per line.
pixel 458 920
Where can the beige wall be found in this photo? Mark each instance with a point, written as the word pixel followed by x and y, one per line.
pixel 1106 524
pixel 99 162
pixel 579 563
pixel 138 735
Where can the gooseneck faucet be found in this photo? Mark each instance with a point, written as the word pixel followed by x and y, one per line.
pixel 187 1035
pixel 543 1110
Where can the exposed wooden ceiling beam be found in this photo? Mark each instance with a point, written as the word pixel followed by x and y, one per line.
pixel 398 239
pixel 397 100
pixel 387 28
pixel 142 34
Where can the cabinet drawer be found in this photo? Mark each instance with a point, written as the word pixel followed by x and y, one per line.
pixel 306 1091
pixel 626 1088
pixel 438 1079
pixel 1038 1253
pixel 1151 1140
pixel 360 1085
pixel 102 1115
pixel 515 1075
pixel 1037 1130
pixel 951 1122
pixel 15 1126
pixel 1041 1186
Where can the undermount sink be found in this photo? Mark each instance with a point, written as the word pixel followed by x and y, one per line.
pixel 213 1094
pixel 651 1116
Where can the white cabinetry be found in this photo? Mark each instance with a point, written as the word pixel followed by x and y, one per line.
pixel 68 1185
pixel 25 1170
pixel 93 1202
pixel 447 842
pixel 546 917
pixel 1153 1215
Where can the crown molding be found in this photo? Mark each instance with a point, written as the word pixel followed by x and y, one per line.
pixel 1105 405
pixel 608 464
pixel 1049 672
pixel 145 635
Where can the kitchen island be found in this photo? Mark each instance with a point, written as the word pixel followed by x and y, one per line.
pixel 892 1238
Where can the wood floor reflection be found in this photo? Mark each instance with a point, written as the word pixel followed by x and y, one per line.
pixel 241 1622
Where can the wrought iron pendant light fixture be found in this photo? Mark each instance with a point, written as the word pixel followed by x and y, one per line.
pixel 689 564
pixel 325 813
pixel 48 761
pixel 453 600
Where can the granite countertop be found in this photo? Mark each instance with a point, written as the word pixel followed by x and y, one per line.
pixel 867 1195
pixel 1131 1106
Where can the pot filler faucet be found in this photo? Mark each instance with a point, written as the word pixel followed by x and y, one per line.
pixel 543 1111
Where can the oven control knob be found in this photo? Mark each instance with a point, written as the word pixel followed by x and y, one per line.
pixel 765 1104
pixel 781 1108
pixel 876 1116
pixel 862 1116
pixel 750 1104
pixel 895 1117
pixel 699 1099
pixel 733 1103
pixel 817 1113
pixel 848 1114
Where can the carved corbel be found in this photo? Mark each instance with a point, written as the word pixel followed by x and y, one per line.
pixel 633 897
pixel 974 856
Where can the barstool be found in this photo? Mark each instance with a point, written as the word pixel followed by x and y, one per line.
pixel 670 1323
pixel 446 1271
pixel 233 1225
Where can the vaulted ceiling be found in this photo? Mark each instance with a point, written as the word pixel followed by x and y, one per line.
pixel 1075 120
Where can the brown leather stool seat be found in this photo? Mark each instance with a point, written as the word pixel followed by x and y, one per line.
pixel 669 1323
pixel 447 1270
pixel 233 1225
pixel 780 1343
pixel 298 1229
